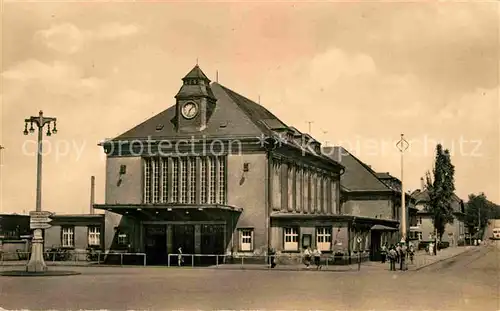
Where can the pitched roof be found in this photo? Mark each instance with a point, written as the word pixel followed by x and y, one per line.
pixel 196 73
pixel 422 196
pixel 227 119
pixel 358 176
pixel 234 116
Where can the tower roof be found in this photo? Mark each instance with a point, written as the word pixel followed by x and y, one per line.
pixel 196 73
pixel 193 85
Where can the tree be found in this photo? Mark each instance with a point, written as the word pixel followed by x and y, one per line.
pixel 440 188
pixel 478 211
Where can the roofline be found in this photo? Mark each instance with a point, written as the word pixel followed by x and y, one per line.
pixel 207 138
pixel 366 167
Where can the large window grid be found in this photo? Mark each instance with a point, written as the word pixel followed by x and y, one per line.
pixel 185 180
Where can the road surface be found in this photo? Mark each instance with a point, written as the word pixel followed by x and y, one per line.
pixel 467 282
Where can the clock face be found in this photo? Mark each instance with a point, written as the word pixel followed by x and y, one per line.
pixel 189 110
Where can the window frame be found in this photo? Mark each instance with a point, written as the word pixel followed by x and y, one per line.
pixel 72 230
pixel 296 235
pixel 324 236
pixel 97 237
pixel 241 236
pixel 118 241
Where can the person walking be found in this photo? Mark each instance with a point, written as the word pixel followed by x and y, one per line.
pixel 383 253
pixel 398 253
pixel 180 259
pixel 272 258
pixel 317 258
pixel 307 257
pixel 411 252
pixel 392 258
pixel 402 257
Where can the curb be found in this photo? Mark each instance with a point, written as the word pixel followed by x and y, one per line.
pixel 447 258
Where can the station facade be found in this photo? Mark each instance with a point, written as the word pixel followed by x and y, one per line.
pixel 217 173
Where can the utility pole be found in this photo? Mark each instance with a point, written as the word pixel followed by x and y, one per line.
pixel 403 145
pixel 1 189
pixel 39 220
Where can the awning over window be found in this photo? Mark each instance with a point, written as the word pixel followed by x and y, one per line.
pixel 383 228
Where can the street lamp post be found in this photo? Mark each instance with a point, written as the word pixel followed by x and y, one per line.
pixel 403 145
pixel 36 263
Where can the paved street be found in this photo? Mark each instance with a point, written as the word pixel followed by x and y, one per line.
pixel 467 282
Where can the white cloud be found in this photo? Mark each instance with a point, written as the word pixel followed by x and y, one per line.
pixel 57 78
pixel 335 63
pixel 63 38
pixel 68 38
pixel 115 30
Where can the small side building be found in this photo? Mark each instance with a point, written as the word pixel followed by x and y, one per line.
pixel 454 233
pixel 370 206
pixel 76 233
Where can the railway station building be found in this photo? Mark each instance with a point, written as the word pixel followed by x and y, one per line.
pixel 217 173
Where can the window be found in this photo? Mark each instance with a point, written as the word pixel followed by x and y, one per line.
pixel 68 237
pixel 419 235
pixel 203 181
pixel 184 180
pixel 175 179
pixel 291 239
pixel 213 178
pixel 222 181
pixel 156 180
pixel 324 238
pixel 298 189
pixel 246 240
pixel 164 182
pixel 94 236
pixel 147 178
pixel 122 239
pixel 419 220
pixel 192 181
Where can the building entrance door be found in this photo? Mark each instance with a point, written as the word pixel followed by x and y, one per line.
pixel 375 245
pixel 183 236
pixel 212 242
pixel 156 244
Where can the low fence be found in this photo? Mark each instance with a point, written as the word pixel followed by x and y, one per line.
pixel 77 257
pixel 280 259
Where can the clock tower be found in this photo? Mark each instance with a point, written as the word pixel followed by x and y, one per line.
pixel 195 102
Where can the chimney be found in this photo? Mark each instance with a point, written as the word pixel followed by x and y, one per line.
pixel 92 194
pixel 422 184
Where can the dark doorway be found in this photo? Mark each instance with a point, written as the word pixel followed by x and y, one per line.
pixel 375 245
pixel 183 236
pixel 156 244
pixel 212 243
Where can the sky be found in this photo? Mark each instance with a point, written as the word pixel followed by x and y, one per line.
pixel 362 72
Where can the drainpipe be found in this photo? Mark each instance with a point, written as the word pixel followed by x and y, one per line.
pixel 92 194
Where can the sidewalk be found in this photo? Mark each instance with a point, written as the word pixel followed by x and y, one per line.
pixel 420 261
